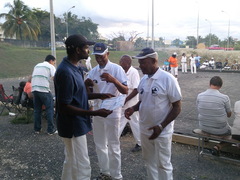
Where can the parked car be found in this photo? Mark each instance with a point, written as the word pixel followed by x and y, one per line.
pixel 217 47
pixel 58 44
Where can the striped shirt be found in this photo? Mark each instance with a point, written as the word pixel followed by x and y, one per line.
pixel 213 107
pixel 41 76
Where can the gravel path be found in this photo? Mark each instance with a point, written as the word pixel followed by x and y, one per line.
pixel 27 156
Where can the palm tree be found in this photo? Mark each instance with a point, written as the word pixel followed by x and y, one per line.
pixel 20 21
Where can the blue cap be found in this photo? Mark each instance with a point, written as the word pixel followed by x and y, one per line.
pixel 100 49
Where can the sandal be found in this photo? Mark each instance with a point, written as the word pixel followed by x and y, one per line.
pixel 216 150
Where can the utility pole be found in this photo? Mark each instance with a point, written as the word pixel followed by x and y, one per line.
pixel 52 27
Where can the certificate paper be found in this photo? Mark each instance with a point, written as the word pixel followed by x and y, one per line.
pixel 113 103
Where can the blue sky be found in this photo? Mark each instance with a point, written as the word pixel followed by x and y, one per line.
pixel 172 19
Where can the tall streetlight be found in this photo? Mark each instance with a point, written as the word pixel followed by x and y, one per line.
pixel 210 32
pixel 228 28
pixel 67 19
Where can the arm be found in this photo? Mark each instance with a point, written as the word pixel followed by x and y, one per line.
pixel 131 95
pixel 229 114
pixel 121 87
pixel 72 110
pixel 176 109
pixel 101 96
pixel 129 111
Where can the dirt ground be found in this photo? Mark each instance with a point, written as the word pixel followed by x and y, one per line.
pixel 27 156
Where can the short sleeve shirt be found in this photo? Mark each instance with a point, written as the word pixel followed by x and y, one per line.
pixel 105 87
pixel 41 76
pixel 212 111
pixel 157 94
pixel 70 89
pixel 133 80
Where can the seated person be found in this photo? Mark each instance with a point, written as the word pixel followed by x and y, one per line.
pixel 213 110
pixel 236 122
pixel 28 90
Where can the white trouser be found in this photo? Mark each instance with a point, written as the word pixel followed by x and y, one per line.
pixel 174 71
pixel 76 165
pixel 134 124
pixel 184 67
pixel 193 68
pixel 105 133
pixel 157 155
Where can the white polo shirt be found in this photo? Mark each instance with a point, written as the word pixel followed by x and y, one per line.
pixel 133 80
pixel 106 87
pixel 41 76
pixel 157 94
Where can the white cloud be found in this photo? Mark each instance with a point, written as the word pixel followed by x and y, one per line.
pixel 173 19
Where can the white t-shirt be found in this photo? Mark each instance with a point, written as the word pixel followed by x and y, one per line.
pixel 236 122
pixel 41 76
pixel 133 80
pixel 157 94
pixel 184 59
pixel 192 60
pixel 106 87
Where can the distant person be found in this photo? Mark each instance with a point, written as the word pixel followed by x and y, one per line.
pixel 107 77
pixel 27 96
pixel 72 111
pixel 166 65
pixel 159 104
pixel 174 64
pixel 184 63
pixel 42 74
pixel 193 66
pixel 88 63
pixel 236 122
pixel 214 109
pixel 133 80
pixel 212 63
pixel 197 61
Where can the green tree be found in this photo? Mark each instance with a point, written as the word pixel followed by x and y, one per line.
pixel 191 41
pixel 140 43
pixel 43 18
pixel 83 26
pixel 20 21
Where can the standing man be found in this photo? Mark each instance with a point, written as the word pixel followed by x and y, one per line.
pixel 193 66
pixel 214 108
pixel 174 64
pixel 42 74
pixel 159 104
pixel 107 77
pixel 73 114
pixel 184 63
pixel 133 79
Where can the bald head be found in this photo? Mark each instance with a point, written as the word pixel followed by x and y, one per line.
pixel 125 62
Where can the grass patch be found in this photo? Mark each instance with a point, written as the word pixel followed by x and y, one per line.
pixel 22 120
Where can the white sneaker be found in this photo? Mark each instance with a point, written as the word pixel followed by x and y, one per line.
pixel 55 132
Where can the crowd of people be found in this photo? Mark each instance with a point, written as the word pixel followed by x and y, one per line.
pixel 150 105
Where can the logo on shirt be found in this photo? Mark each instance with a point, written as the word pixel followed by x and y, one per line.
pixel 155 91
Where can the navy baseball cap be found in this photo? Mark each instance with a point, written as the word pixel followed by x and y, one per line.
pixel 100 49
pixel 77 40
pixel 145 53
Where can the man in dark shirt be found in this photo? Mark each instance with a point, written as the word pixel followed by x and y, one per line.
pixel 72 110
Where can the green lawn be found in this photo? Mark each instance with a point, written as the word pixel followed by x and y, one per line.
pixel 19 62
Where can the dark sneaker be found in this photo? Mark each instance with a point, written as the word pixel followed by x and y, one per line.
pixel 137 148
pixel 103 177
pixel 54 132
